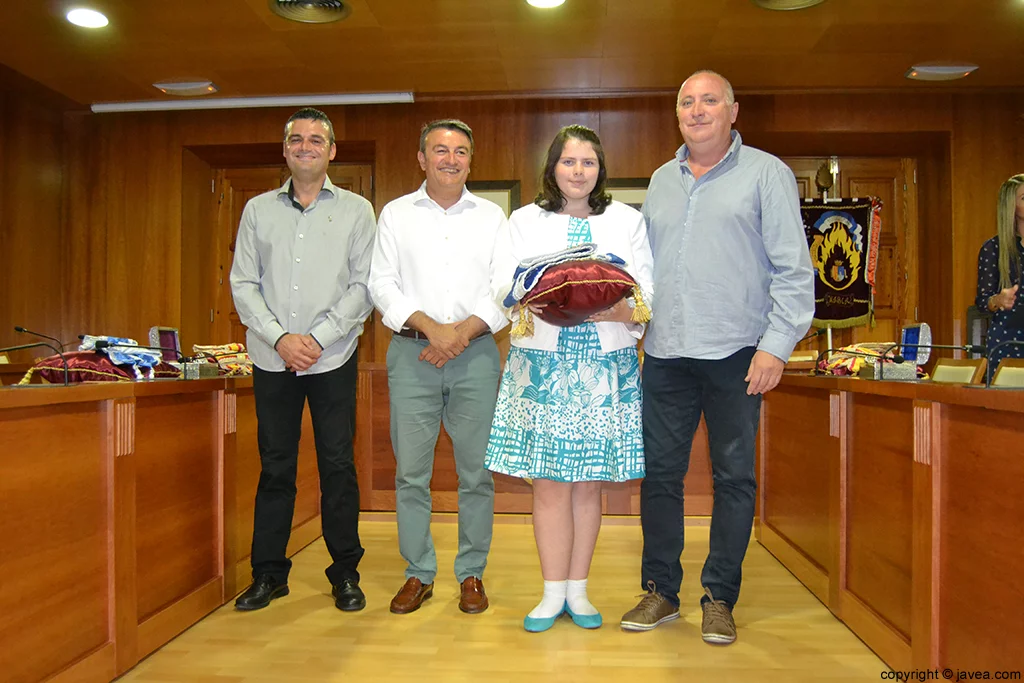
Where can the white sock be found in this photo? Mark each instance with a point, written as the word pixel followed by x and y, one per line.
pixel 576 596
pixel 553 602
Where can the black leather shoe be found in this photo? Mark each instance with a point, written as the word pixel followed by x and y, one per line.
pixel 348 596
pixel 257 596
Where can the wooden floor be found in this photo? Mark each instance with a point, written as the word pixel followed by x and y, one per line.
pixel 785 634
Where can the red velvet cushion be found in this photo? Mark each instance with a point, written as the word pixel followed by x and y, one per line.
pixel 575 290
pixel 89 366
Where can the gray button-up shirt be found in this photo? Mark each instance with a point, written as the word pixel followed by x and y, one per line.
pixel 303 271
pixel 731 263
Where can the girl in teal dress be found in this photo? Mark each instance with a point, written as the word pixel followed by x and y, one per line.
pixel 568 409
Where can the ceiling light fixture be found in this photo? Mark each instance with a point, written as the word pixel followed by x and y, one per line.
pixel 186 88
pixel 255 102
pixel 945 71
pixel 545 4
pixel 86 18
pixel 785 5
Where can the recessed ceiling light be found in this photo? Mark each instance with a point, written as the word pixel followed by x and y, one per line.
pixel 186 88
pixel 545 4
pixel 786 4
pixel 939 72
pixel 87 18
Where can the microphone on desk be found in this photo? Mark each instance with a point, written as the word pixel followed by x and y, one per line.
pixel 47 345
pixel 969 348
pixel 812 335
pixel 990 371
pixel 22 330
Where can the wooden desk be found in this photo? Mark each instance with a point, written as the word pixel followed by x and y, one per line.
pixel 375 464
pixel 900 506
pixel 126 518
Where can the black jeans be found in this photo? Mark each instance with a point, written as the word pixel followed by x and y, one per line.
pixel 676 392
pixel 280 397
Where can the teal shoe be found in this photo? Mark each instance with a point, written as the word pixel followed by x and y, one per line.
pixel 537 625
pixel 583 620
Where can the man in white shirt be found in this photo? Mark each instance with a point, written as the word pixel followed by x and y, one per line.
pixel 302 259
pixel 430 278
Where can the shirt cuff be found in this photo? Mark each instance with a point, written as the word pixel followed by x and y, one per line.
pixel 491 315
pixel 778 344
pixel 394 318
pixel 273 332
pixel 325 334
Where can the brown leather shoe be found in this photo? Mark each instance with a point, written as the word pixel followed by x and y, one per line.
pixel 411 596
pixel 474 599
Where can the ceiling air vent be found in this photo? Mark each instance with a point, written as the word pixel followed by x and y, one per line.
pixel 311 11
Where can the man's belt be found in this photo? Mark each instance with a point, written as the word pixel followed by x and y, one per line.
pixel 416 334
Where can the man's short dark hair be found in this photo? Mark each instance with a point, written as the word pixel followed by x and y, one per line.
pixel 446 124
pixel 310 114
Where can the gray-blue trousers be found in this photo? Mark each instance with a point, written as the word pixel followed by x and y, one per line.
pixel 462 393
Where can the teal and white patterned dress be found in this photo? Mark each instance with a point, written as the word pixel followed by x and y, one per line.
pixel 572 414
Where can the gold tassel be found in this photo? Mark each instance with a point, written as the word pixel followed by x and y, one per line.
pixel 27 379
pixel 641 311
pixel 523 326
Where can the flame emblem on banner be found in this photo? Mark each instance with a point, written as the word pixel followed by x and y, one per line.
pixel 835 256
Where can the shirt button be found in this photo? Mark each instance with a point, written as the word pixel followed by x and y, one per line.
pixel 295 287
pixel 300 236
pixel 298 260
pixel 293 315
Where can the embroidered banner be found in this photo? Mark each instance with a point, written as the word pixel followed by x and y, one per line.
pixel 842 235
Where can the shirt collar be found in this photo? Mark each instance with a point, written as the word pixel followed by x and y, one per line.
pixel 683 153
pixel 287 190
pixel 421 198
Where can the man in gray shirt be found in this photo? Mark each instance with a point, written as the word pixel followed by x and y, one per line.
pixel 735 292
pixel 302 259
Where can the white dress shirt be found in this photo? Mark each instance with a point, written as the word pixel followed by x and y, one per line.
pixel 436 260
pixel 303 271
pixel 532 231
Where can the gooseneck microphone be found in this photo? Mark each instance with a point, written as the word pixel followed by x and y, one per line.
pixel 969 348
pixel 47 345
pixel 22 330
pixel 990 371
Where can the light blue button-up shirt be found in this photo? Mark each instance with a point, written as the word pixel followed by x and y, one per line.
pixel 303 271
pixel 731 263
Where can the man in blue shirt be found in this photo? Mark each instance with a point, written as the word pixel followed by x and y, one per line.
pixel 734 293
pixel 302 259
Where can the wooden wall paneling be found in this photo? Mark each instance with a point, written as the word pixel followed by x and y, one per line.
pixel 241 475
pixel 200 285
pixel 924 614
pixel 362 446
pixel 935 172
pixel 120 455
pixel 876 590
pixel 980 500
pixel 179 441
pixel 31 199
pixel 988 145
pixel 56 610
pixel 798 461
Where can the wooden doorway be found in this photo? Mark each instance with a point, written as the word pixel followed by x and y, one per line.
pixel 234 188
pixel 894 181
